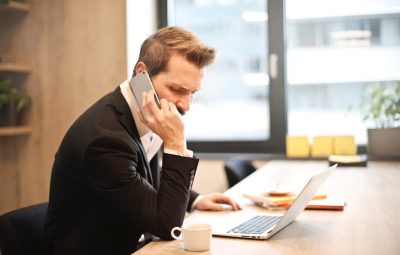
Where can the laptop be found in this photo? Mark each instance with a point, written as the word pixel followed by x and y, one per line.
pixel 263 226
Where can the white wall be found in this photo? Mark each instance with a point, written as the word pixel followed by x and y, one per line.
pixel 141 18
pixel 210 176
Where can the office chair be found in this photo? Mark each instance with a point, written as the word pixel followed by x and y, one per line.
pixel 237 169
pixel 21 230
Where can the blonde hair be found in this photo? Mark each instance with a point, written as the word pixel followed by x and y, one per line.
pixel 156 50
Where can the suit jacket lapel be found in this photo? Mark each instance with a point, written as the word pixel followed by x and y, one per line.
pixel 126 120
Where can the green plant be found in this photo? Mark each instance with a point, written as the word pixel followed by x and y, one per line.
pixel 381 104
pixel 10 94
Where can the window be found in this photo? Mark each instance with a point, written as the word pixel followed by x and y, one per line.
pixel 327 52
pixel 336 49
pixel 232 111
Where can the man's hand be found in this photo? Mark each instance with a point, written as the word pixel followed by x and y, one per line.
pixel 215 202
pixel 166 122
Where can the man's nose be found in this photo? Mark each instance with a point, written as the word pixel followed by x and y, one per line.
pixel 185 103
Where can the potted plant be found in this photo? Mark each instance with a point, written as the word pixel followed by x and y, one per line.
pixel 12 102
pixel 381 106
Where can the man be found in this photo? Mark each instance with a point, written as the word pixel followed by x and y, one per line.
pixel 104 195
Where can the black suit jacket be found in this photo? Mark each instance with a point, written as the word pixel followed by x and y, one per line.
pixel 103 193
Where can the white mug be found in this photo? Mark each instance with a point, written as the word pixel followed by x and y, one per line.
pixel 195 237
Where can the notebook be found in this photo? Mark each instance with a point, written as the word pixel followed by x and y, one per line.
pixel 263 226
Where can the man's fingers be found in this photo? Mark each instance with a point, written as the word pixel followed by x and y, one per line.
pixel 216 207
pixel 164 104
pixel 235 206
pixel 222 199
pixel 150 101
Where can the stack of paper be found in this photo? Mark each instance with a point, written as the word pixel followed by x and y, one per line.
pixel 320 201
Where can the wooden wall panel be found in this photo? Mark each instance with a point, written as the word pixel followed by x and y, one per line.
pixel 77 51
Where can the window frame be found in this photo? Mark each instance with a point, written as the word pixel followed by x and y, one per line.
pixel 277 90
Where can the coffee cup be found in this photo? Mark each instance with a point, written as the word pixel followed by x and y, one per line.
pixel 195 237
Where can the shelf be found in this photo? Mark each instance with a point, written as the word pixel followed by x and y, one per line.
pixel 15 131
pixel 15 6
pixel 13 68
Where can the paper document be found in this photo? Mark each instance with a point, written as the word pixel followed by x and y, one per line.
pixel 319 201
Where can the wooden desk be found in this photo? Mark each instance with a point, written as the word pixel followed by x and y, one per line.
pixel 369 224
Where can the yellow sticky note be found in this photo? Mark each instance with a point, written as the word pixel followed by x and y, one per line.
pixel 344 145
pixel 322 146
pixel 297 147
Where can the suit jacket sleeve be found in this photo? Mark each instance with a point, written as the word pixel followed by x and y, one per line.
pixel 155 170
pixel 115 169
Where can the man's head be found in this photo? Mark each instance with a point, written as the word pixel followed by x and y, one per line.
pixel 157 49
pixel 175 59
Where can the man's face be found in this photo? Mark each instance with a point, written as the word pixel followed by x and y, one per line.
pixel 179 82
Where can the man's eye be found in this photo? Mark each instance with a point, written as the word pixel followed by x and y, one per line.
pixel 179 90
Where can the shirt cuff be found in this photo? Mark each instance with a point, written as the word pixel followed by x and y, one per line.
pixel 188 153
pixel 195 202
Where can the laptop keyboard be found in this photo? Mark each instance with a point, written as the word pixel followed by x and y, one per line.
pixel 256 225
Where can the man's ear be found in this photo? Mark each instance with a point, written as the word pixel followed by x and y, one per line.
pixel 140 67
